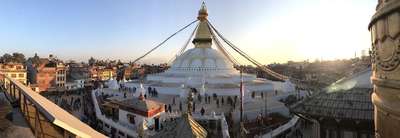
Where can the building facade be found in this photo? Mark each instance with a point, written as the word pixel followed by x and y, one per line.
pixel 106 73
pixel 15 70
pixel 51 76
pixel 102 73
pixel 77 76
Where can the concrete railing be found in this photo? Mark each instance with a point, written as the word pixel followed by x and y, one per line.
pixel 45 118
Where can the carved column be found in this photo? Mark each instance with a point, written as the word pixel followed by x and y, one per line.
pixel 385 28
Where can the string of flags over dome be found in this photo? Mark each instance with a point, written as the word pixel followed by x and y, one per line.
pixel 205 32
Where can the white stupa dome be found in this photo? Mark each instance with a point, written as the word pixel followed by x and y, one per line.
pixel 202 59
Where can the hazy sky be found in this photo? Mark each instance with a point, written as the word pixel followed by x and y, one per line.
pixel 268 30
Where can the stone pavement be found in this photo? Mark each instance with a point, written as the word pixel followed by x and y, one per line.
pixel 252 107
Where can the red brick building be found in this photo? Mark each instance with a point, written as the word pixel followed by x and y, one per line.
pixel 50 76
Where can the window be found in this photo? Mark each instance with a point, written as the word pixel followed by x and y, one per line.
pixel 21 75
pixel 13 75
pixel 121 133
pixel 131 118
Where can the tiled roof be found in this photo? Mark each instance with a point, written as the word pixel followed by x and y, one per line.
pixel 346 104
pixel 141 105
pixel 183 127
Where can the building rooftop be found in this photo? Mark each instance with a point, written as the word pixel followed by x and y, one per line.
pixel 183 127
pixel 144 107
pixel 346 104
pixel 348 98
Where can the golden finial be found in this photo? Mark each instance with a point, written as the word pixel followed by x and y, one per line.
pixel 203 12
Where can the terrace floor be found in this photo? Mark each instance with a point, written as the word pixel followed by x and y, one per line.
pixel 18 127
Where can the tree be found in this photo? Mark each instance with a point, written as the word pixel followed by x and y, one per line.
pixel 6 58
pixel 119 62
pixel 18 57
pixel 15 57
pixel 92 61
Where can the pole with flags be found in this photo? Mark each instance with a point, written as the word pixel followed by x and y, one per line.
pixel 243 131
pixel 241 95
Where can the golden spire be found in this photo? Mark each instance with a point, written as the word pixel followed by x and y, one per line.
pixel 202 38
pixel 203 12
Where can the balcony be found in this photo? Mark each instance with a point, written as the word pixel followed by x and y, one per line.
pixel 44 118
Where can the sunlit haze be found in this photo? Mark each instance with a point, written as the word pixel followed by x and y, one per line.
pixel 268 30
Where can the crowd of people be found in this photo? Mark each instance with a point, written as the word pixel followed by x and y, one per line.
pixel 127 89
pixel 218 101
pixel 152 92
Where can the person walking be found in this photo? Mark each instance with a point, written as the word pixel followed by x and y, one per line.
pixel 149 89
pixel 194 106
pixel 217 103
pixel 180 106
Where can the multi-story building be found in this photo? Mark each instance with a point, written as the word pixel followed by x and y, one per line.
pixel 92 72
pixel 61 75
pixel 78 72
pixel 50 75
pixel 15 70
pixel 77 76
pixel 126 73
pixel 102 73
pixel 106 73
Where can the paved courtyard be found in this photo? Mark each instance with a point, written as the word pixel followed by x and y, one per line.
pixel 252 106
